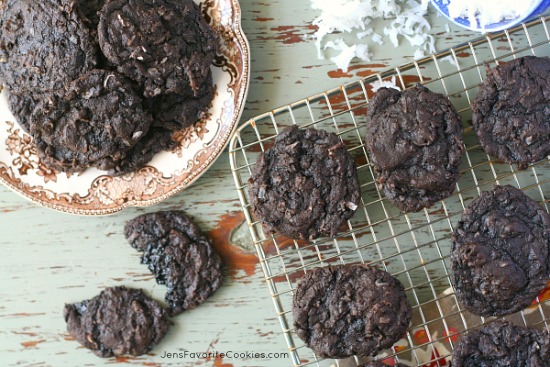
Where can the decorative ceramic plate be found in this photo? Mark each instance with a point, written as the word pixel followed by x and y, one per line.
pixel 93 192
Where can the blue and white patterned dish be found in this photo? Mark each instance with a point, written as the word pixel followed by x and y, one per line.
pixel 538 8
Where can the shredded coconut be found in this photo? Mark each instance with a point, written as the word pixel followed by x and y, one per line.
pixel 450 60
pixel 364 34
pixel 397 19
pixel 362 52
pixel 489 11
pixel 376 38
pixel 346 55
pixel 377 84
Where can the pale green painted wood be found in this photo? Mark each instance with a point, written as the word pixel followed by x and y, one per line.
pixel 49 258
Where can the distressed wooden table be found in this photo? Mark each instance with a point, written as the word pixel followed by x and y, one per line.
pixel 49 258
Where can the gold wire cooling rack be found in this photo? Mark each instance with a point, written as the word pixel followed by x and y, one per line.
pixel 412 247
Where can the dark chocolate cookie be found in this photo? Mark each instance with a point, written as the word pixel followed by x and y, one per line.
pixel 43 45
pixel 500 252
pixel 22 107
pixel 511 114
pixel 380 364
pixel 119 321
pixel 180 256
pixel 156 140
pixel 178 111
pixel 305 185
pixel 414 141
pixel 346 310
pixel 502 344
pixel 94 121
pixel 89 11
pixel 166 45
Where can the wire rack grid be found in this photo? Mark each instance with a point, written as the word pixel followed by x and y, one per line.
pixel 412 247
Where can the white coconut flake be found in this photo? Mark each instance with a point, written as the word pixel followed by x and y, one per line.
pixel 449 59
pixel 363 53
pixel 376 38
pixel 342 16
pixel 397 19
pixel 416 39
pixel 384 84
pixel 347 53
pixel 489 11
pixel 364 34
pixel 392 33
pixel 418 54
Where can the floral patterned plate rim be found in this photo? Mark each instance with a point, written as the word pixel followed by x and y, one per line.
pixel 93 192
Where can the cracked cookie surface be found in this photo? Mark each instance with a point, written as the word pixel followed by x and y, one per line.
pixel 502 344
pixel 511 114
pixel 305 185
pixel 178 111
pixel 37 57
pixel 118 321
pixel 156 140
pixel 94 121
pixel 500 252
pixel 165 45
pixel 414 140
pixel 22 107
pixel 179 254
pixel 346 310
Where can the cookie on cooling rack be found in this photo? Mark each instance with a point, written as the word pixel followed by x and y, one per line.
pixel 179 254
pixel 305 185
pixel 346 310
pixel 414 141
pixel 500 252
pixel 511 114
pixel 502 344
pixel 118 321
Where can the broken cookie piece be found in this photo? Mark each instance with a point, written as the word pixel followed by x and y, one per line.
pixel 118 321
pixel 179 254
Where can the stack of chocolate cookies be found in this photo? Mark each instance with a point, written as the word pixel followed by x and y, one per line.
pixel 105 83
